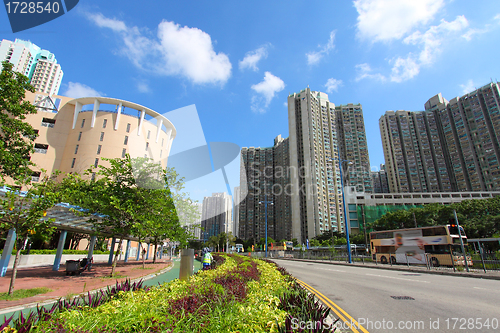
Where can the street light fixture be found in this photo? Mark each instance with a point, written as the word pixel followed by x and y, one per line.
pixel 265 202
pixel 345 211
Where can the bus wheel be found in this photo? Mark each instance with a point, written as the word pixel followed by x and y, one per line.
pixel 434 262
pixel 383 260
pixel 393 260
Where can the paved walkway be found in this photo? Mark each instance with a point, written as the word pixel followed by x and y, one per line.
pixel 67 286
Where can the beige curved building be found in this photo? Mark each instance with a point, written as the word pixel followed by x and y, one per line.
pixel 74 134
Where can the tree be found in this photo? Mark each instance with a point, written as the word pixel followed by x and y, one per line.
pixel 26 213
pixel 113 194
pixel 16 135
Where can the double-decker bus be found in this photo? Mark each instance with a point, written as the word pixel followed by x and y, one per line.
pixel 437 245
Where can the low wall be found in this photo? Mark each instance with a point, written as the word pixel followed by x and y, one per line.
pixel 32 260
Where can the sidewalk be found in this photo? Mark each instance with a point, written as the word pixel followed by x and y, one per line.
pixel 493 275
pixel 68 286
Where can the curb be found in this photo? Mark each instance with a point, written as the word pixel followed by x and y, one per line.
pixel 92 292
pixel 403 269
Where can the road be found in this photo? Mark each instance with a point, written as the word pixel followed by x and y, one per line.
pixel 434 303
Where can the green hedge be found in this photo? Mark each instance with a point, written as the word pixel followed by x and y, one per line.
pixel 54 252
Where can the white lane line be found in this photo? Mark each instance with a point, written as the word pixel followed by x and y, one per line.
pixel 397 278
pixel 333 270
pixel 486 289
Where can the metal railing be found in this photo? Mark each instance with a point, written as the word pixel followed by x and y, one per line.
pixel 477 262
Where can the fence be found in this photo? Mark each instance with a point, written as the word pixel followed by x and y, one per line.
pixel 477 262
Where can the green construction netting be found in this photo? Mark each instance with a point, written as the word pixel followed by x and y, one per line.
pixel 373 213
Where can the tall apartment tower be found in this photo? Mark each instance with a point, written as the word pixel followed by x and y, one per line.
pixel 320 135
pixel 451 146
pixel 266 173
pixel 413 151
pixel 216 215
pixel 379 180
pixel 353 146
pixel 40 66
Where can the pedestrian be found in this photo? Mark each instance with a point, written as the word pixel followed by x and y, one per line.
pixel 207 260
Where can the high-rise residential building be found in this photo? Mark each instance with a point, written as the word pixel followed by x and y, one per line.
pixel 353 146
pixel 379 180
pixel 321 135
pixel 216 215
pixel 265 170
pixel 40 66
pixel 236 212
pixel 450 147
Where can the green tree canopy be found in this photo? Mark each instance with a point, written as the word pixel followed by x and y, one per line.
pixel 16 135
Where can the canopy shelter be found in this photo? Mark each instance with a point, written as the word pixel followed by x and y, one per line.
pixel 65 220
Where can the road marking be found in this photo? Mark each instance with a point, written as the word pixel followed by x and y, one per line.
pixel 346 318
pixel 397 278
pixel 333 270
pixel 486 289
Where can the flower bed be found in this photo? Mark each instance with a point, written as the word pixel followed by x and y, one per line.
pixel 241 295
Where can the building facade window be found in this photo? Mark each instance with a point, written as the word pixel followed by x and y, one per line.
pixel 83 123
pixel 47 122
pixel 102 136
pixel 147 145
pixel 76 149
pixel 128 128
pixel 73 163
pixel 104 123
pixel 99 150
pixel 125 142
pixel 79 136
pixel 149 134
pixel 41 148
pixel 96 163
pixel 124 152
pixel 93 176
pixel 162 141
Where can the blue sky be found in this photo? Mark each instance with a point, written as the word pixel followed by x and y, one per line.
pixel 238 61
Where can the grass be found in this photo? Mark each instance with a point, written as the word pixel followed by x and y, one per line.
pixel 145 268
pixel 115 276
pixel 23 293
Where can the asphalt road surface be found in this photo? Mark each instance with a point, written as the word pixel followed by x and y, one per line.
pixel 383 300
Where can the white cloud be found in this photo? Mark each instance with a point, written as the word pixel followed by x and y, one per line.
pixel 333 85
pixel 404 69
pixel 104 22
pixel 143 87
pixel 265 92
pixel 497 17
pixel 77 90
pixel 468 87
pixel 428 43
pixel 253 57
pixel 177 51
pixel 385 20
pixel 364 71
pixel 314 57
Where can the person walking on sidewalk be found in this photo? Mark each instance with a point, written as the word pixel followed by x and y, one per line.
pixel 207 260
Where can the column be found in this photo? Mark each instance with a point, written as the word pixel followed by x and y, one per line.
pixel 7 251
pixel 138 250
pixel 60 248
pixel 97 104
pixel 127 251
pixel 118 114
pixel 147 254
pixel 111 251
pixel 93 240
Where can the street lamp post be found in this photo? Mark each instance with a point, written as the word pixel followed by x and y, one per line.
pixel 345 212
